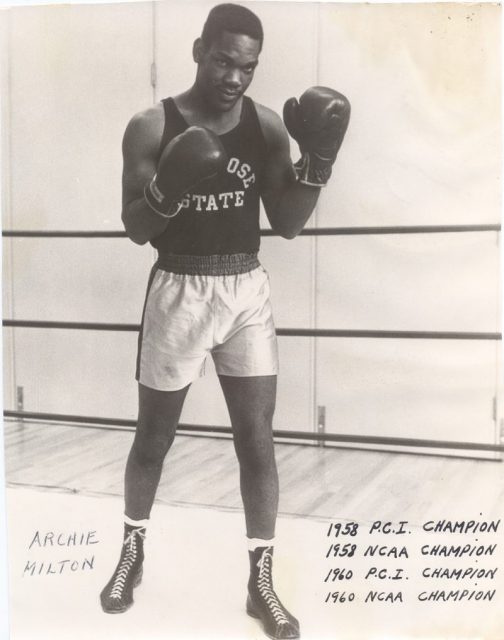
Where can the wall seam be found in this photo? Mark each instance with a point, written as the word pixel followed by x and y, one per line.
pixel 153 84
pixel 314 249
pixel 7 200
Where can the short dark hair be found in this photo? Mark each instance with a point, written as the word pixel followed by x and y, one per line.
pixel 233 18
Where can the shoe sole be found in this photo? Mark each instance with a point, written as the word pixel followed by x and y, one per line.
pixel 136 582
pixel 249 607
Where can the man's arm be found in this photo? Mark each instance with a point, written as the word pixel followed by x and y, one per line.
pixel 287 202
pixel 318 123
pixel 140 151
pixel 153 194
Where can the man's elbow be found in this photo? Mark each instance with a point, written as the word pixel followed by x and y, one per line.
pixel 285 226
pixel 137 239
pixel 286 231
pixel 290 234
pixel 135 234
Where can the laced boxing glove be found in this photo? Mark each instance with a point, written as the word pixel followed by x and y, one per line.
pixel 195 155
pixel 318 123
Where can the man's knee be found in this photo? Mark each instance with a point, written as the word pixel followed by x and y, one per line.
pixel 254 446
pixel 158 416
pixel 151 449
pixel 254 421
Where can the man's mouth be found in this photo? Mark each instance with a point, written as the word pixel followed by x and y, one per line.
pixel 228 94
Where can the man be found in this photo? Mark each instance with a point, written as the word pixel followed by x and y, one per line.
pixel 195 169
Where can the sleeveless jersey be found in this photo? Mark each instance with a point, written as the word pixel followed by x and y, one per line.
pixel 221 215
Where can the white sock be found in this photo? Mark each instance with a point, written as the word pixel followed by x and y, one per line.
pixel 254 543
pixel 136 523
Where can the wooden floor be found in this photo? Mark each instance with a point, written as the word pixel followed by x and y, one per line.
pixel 316 482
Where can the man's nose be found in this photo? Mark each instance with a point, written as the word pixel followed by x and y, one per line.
pixel 233 77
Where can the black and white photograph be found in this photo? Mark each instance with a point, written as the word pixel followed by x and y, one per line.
pixel 252 320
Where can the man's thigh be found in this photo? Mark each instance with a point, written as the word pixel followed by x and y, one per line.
pixel 159 410
pixel 251 401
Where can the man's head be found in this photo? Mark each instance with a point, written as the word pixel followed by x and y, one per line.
pixel 233 18
pixel 227 54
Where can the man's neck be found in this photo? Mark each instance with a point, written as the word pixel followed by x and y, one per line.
pixel 195 111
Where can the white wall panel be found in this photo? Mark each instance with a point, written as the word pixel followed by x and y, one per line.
pixel 295 385
pixel 8 338
pixel 80 279
pixel 415 389
pixel 428 389
pixel 424 282
pixel 75 80
pixel 288 62
pixel 77 372
pixel 290 265
pixel 78 73
pixel 424 143
pixel 423 148
pixel 176 27
pixel 8 348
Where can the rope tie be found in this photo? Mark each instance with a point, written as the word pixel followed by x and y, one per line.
pixel 127 561
pixel 266 589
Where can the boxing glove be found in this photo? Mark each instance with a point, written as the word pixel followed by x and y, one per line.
pixel 195 155
pixel 318 123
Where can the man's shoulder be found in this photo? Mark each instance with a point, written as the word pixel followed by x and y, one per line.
pixel 268 118
pixel 150 118
pixel 144 131
pixel 271 124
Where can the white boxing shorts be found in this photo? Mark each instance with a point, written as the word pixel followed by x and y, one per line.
pixel 197 305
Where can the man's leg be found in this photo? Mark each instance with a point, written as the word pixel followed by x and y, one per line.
pixel 158 416
pixel 251 404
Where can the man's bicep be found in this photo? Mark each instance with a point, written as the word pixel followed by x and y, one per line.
pixel 140 149
pixel 278 174
pixel 134 178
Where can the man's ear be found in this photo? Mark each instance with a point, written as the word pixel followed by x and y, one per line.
pixel 197 51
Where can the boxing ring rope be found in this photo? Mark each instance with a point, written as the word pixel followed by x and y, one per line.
pixel 124 424
pixel 129 425
pixel 319 231
pixel 301 333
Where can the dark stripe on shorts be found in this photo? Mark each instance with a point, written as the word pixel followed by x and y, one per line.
pixel 140 334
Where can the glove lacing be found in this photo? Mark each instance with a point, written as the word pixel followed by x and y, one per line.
pixel 127 561
pixel 265 587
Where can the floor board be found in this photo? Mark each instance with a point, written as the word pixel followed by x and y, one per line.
pixel 319 482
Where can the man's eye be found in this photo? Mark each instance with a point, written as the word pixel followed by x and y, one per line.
pixel 222 63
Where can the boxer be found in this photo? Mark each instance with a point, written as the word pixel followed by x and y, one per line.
pixel 196 167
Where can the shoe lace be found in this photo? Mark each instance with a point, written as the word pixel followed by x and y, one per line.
pixel 128 557
pixel 265 586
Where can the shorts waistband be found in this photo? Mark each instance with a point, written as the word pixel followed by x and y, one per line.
pixel 214 265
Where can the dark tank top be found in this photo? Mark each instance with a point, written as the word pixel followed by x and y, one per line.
pixel 221 215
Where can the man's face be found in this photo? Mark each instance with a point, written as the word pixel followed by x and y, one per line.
pixel 226 68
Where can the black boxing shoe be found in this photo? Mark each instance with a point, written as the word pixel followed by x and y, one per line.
pixel 117 596
pixel 262 601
